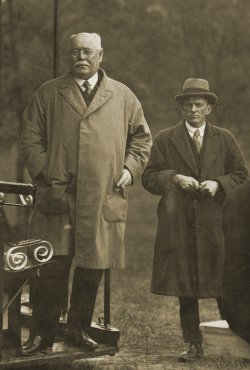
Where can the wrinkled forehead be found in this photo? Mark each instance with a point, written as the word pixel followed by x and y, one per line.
pixel 85 40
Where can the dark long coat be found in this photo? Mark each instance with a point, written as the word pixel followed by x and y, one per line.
pixel 236 292
pixel 76 155
pixel 189 249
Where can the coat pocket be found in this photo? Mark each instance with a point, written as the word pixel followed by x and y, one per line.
pixel 52 199
pixel 116 206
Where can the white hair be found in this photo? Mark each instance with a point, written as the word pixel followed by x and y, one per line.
pixel 94 36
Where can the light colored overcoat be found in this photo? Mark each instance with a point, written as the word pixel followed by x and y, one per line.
pixel 76 155
pixel 189 247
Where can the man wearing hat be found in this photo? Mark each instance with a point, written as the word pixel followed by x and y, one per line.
pixel 193 166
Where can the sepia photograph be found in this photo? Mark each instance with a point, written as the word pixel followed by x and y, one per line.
pixel 124 184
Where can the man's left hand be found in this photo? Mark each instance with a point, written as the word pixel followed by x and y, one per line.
pixel 209 187
pixel 126 179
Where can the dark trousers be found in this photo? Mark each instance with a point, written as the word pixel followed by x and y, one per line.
pixel 83 297
pixel 190 319
pixel 48 299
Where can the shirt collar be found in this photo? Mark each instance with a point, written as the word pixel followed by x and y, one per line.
pixel 92 81
pixel 191 129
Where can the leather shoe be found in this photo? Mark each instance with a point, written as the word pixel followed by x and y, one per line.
pixel 32 346
pixel 194 352
pixel 80 338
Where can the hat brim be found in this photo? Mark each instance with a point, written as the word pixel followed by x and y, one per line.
pixel 212 98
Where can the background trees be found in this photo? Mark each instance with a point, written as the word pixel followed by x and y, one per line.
pixel 150 45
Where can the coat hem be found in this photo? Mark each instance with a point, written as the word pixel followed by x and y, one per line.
pixel 187 295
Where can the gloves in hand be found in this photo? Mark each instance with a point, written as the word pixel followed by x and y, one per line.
pixel 208 187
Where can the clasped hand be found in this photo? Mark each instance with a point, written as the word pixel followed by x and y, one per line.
pixel 188 183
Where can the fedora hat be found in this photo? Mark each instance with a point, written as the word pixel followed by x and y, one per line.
pixel 196 87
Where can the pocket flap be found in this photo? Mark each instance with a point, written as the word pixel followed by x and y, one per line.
pixel 115 208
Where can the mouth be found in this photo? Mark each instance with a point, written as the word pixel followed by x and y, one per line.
pixel 81 65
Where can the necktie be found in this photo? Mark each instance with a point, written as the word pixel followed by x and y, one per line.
pixel 197 139
pixel 87 90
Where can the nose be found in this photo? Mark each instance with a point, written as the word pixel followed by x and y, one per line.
pixel 81 55
pixel 193 108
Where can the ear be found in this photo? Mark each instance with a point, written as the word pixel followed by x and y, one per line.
pixel 209 109
pixel 101 52
pixel 182 108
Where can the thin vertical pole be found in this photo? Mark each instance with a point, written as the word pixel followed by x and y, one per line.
pixel 1 212
pixel 56 73
pixel 2 223
pixel 1 41
pixel 56 63
pixel 107 298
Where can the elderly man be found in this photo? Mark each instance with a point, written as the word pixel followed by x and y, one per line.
pixel 193 166
pixel 84 140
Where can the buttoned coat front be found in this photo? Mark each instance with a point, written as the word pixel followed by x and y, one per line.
pixel 189 248
pixel 76 154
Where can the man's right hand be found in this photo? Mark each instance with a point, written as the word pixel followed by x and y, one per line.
pixel 186 182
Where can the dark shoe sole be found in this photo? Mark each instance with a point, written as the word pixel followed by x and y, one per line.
pixel 73 343
pixel 190 358
pixel 44 350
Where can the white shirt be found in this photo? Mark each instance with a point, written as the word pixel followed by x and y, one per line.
pixel 92 81
pixel 191 130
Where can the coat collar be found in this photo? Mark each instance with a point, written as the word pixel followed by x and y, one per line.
pixel 71 93
pixel 211 146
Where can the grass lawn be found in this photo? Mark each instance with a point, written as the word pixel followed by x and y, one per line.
pixel 149 324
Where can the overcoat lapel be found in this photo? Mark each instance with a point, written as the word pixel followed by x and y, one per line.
pixel 103 94
pixel 72 94
pixel 212 145
pixel 183 147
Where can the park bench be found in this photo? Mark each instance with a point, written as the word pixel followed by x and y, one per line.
pixel 12 282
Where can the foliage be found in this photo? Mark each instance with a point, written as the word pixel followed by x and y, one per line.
pixel 150 45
